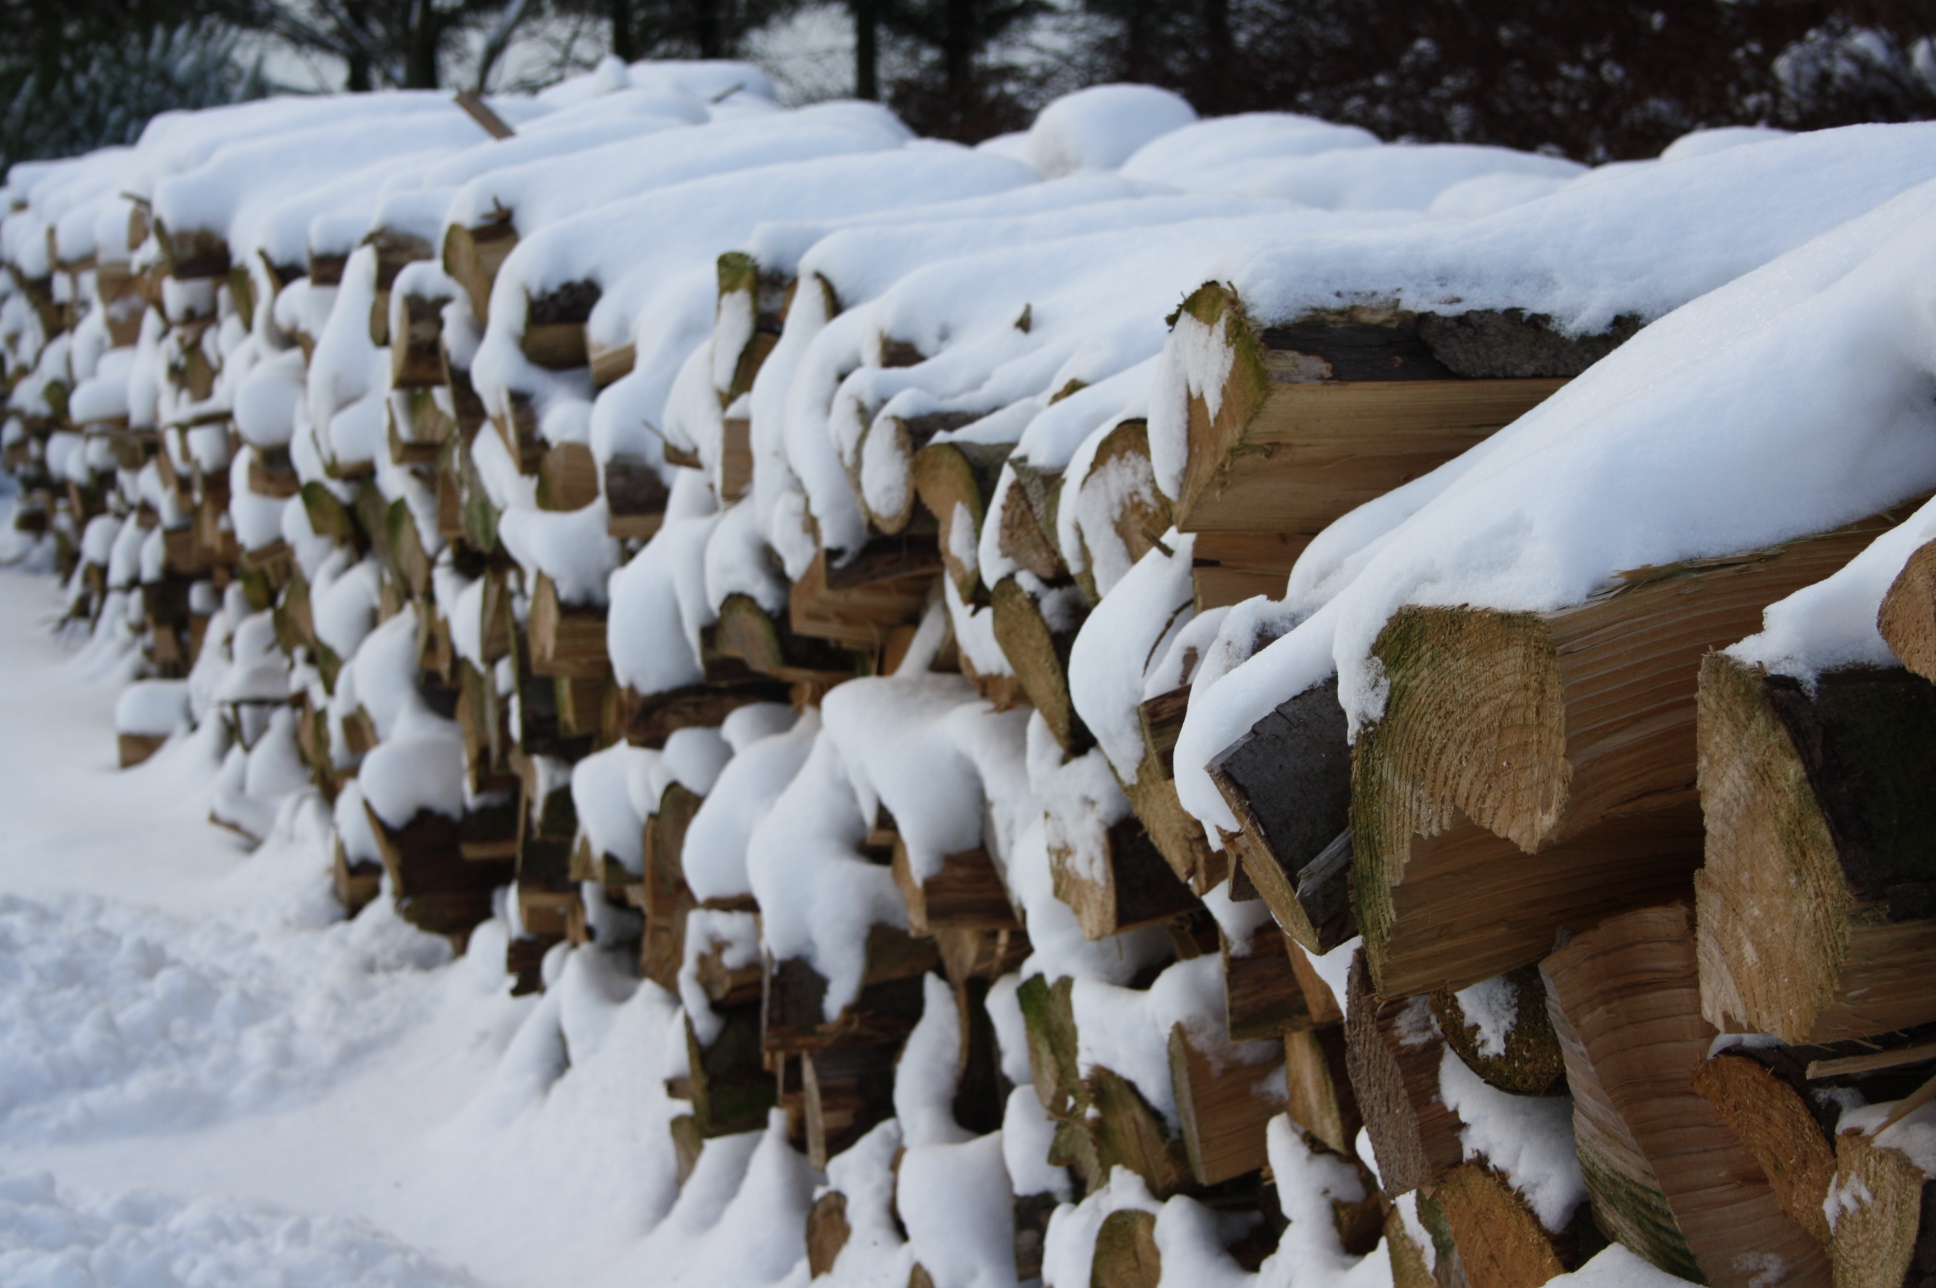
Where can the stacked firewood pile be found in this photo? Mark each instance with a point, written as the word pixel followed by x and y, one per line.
pixel 792 564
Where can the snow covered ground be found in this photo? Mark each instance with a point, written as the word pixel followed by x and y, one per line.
pixel 208 1077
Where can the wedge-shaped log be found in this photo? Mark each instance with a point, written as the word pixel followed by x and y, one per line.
pixel 954 481
pixel 635 498
pixel 882 467
pixel 889 1004
pixel 567 477
pixel 416 350
pixel 1666 1176
pixel 1770 1118
pixel 1393 1051
pixel 1288 781
pixel 1817 906
pixel 1027 521
pixel 1222 1106
pixel 1317 1083
pixel 1131 886
pixel 730 1088
pixel 554 326
pixel 667 899
pixel 966 894
pixel 746 631
pixel 474 255
pixel 848 1090
pixel 1885 1221
pixel 566 640
pixel 1261 994
pixel 1501 1243
pixel 435 887
pixel 744 290
pixel 1528 1061
pixel 1126 1254
pixel 1036 639
pixel 858 603
pixel 1567 735
pixel 654 717
pixel 1118 500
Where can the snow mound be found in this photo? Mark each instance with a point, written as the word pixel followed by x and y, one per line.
pixel 55 1238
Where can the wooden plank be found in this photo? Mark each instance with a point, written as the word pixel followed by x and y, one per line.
pixel 1666 1175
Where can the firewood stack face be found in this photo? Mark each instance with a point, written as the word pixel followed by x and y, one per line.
pixel 867 794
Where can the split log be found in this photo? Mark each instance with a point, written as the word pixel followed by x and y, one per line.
pixel 133 748
pixel 1570 735
pixel 728 1083
pixel 435 887
pixel 966 894
pixel 1222 1107
pixel 418 428
pixel 1393 1051
pixel 1336 408
pixel 1102 1121
pixel 567 477
pixel 666 897
pixel 1817 907
pixel 767 298
pixel 654 717
pixel 1131 886
pixel 554 326
pixel 1885 1217
pixel 1317 1082
pixel 745 631
pixel 1288 781
pixel 1118 495
pixel 1027 521
pixel 1776 1126
pixel 954 481
pixel 1261 995
pixel 473 257
pixel 1501 1243
pixel 635 498
pixel 416 350
pixel 858 603
pixel 1325 1008
pixel 1527 1062
pixel 881 467
pixel 610 364
pixel 848 1091
pixel 793 1017
pixel 566 640
pixel 827 1232
pixel 1665 1174
pixel 1036 638
pixel 1907 619
pixel 357 881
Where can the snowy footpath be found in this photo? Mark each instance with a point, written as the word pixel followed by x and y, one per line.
pixel 207 1076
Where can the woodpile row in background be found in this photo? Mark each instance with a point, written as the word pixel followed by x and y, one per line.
pixel 1578 845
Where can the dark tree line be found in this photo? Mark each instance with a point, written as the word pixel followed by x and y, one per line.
pixel 1602 81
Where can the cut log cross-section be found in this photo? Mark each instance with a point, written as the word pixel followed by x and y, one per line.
pixel 1666 1175
pixel 1817 906
pixel 1222 1107
pixel 1907 619
pixel 1568 735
